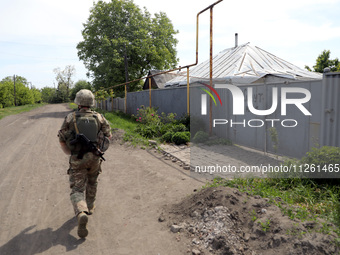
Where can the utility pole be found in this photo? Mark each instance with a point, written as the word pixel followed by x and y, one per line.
pixel 126 80
pixel 126 68
pixel 15 96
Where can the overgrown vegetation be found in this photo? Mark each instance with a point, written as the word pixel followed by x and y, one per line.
pixel 302 198
pixel 23 94
pixel 163 127
pixel 26 94
pixel 119 120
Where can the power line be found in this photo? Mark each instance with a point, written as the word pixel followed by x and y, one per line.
pixel 37 44
pixel 35 57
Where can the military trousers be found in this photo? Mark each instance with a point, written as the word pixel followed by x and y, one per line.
pixel 83 176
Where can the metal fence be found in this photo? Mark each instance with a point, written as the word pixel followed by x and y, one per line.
pixel 321 128
pixel 261 132
pixel 165 100
pixel 330 110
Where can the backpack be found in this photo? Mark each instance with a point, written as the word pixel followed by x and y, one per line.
pixel 87 124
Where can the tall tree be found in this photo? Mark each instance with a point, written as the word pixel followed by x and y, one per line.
pixel 323 61
pixel 120 28
pixel 81 84
pixel 64 77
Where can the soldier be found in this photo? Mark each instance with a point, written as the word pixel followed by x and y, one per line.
pixel 85 162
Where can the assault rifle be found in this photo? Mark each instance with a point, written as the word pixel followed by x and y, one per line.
pixel 86 146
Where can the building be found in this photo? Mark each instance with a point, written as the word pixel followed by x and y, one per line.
pixel 158 81
pixel 245 64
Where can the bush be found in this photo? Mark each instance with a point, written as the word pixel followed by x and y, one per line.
pixel 147 115
pixel 200 137
pixel 181 137
pixel 167 137
pixel 185 120
pixel 323 156
pixel 148 131
pixel 178 128
pixel 320 164
pixel 168 118
pixel 325 159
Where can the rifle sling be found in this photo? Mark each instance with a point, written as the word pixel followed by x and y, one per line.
pixel 75 123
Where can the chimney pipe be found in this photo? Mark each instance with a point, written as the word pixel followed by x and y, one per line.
pixel 236 40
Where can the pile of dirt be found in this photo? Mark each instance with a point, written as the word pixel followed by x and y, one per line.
pixel 225 221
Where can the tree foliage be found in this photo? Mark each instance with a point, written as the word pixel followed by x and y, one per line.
pixel 23 94
pixel 323 61
pixel 64 77
pixel 48 94
pixel 120 27
pixel 81 84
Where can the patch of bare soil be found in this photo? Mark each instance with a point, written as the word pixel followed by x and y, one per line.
pixel 225 221
pixel 117 136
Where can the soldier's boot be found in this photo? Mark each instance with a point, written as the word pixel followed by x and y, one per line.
pixel 82 221
pixel 91 209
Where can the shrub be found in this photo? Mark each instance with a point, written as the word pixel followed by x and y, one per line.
pixel 148 131
pixel 185 120
pixel 168 118
pixel 181 138
pixel 178 128
pixel 167 137
pixel 200 137
pixel 165 128
pixel 323 156
pixel 320 164
pixel 326 159
pixel 147 115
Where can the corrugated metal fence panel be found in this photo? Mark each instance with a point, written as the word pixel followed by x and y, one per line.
pixel 322 128
pixel 170 100
pixel 330 123
pixel 292 141
pixel 245 134
pixel 166 100
pixel 296 141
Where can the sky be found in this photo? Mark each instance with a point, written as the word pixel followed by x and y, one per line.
pixel 38 36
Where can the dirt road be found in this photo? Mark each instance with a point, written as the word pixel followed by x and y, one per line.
pixel 36 216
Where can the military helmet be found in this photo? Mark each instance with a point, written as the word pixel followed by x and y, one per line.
pixel 84 97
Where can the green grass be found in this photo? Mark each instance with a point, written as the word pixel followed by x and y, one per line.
pixel 119 120
pixel 18 109
pixel 305 199
pixel 73 106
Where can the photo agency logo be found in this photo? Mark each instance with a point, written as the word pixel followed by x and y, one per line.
pixel 240 101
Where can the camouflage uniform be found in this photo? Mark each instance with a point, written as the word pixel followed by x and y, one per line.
pixel 83 173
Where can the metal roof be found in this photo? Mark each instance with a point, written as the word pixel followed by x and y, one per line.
pixel 158 81
pixel 244 64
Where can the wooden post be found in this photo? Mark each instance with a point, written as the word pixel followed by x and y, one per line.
pixel 211 69
pixel 150 92
pixel 15 94
pixel 125 103
pixel 188 92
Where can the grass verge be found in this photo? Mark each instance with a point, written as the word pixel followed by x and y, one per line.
pixel 73 106
pixel 304 199
pixel 125 122
pixel 18 109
